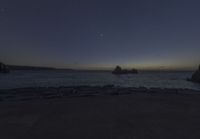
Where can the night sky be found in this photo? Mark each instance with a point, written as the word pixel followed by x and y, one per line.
pixel 99 34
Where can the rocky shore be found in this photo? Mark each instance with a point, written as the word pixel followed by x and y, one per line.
pixel 85 91
pixel 4 68
pixel 196 76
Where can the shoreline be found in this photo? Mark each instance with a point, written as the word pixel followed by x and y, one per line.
pixel 139 114
pixel 39 93
pixel 99 112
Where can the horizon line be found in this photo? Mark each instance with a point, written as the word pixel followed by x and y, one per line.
pixel 106 68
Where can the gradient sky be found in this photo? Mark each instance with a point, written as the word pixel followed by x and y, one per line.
pixel 144 34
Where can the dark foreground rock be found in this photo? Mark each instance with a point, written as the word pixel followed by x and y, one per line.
pixel 196 76
pixel 119 70
pixel 4 68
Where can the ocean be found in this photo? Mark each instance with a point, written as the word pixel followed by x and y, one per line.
pixel 57 78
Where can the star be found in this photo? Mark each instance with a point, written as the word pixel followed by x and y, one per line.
pixel 101 35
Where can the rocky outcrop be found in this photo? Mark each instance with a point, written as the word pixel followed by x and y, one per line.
pixel 196 76
pixel 3 68
pixel 118 70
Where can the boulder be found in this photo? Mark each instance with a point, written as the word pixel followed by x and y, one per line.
pixel 119 70
pixel 196 76
pixel 3 68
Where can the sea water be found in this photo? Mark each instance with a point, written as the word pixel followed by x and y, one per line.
pixel 57 78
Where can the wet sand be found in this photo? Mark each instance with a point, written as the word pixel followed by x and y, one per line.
pixel 129 116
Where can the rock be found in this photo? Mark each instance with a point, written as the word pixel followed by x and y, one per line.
pixel 4 68
pixel 196 76
pixel 118 70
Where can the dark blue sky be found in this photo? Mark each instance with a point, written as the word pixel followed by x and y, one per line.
pixel 101 33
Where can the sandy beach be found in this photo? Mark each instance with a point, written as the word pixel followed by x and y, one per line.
pixel 133 115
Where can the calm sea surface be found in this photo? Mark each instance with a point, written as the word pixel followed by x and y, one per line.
pixel 54 78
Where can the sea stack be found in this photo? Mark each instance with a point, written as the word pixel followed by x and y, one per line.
pixel 3 68
pixel 196 76
pixel 118 70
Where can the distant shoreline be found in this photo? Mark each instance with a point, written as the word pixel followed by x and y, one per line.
pixel 39 68
pixel 36 68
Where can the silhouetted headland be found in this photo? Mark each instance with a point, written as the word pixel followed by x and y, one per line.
pixel 15 67
pixel 8 68
pixel 118 70
pixel 196 76
pixel 4 68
